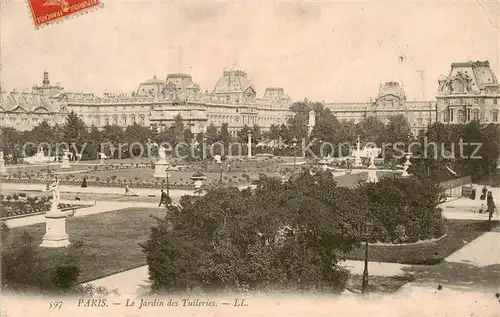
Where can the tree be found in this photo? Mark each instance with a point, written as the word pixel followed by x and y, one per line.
pixel 10 142
pixel 211 134
pixel 243 134
pixel 404 210
pixel 371 130
pixel 112 136
pixel 256 134
pixel 93 147
pixel 274 132
pixel 396 136
pixel 75 133
pixel 276 237
pixel 224 135
pixel 136 138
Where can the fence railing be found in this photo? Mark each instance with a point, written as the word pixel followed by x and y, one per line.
pixel 454 187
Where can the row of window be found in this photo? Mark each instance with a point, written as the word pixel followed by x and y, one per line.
pixel 468 115
pixel 122 120
pixel 475 101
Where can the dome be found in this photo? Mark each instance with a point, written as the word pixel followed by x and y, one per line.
pixel 391 88
pixel 180 81
pixel 154 80
pixel 233 81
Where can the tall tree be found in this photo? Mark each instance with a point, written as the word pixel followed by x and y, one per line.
pixel 75 132
pixel 211 134
pixel 243 134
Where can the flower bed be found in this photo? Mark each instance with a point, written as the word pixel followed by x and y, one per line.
pixel 18 205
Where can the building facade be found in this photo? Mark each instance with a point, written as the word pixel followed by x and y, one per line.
pixel 390 101
pixel 155 103
pixel 469 92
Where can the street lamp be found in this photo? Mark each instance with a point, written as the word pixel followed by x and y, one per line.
pixel 221 170
pixel 294 142
pixel 167 169
pixel 364 286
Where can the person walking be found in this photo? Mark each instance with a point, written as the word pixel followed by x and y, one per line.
pixel 84 182
pixel 127 190
pixel 472 192
pixel 484 191
pixel 164 199
pixel 491 205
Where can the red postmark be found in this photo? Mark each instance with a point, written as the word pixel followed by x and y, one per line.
pixel 47 11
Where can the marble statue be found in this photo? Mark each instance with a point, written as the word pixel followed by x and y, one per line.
pixel 54 188
pixel 161 152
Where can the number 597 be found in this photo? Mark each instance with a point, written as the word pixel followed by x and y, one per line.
pixel 55 305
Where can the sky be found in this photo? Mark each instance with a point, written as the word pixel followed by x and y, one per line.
pixel 323 51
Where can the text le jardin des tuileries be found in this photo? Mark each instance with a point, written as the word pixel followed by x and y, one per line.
pixel 151 303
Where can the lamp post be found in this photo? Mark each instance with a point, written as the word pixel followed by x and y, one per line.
pixel 167 169
pixel 221 170
pixel 294 143
pixel 364 286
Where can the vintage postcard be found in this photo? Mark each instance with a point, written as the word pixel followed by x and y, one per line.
pixel 249 158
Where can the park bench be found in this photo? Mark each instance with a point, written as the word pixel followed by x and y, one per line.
pixel 71 209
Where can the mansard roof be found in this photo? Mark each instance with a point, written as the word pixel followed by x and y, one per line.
pixel 233 81
pixel 27 102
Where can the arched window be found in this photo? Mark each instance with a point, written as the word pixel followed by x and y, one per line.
pixel 134 121
pixel 461 116
pixel 494 115
pixel 475 115
pixel 142 120
pixel 446 117
pixel 124 119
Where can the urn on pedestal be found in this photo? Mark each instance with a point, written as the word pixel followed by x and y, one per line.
pixel 65 160
pixel 198 179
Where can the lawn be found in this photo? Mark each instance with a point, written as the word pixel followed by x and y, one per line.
pixel 110 241
pixel 457 231
pixel 378 284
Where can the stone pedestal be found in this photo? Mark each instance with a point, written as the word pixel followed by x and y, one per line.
pixel 406 165
pixel 55 230
pixel 198 184
pixel 65 162
pixel 372 174
pixel 357 161
pixel 160 169
pixel 405 171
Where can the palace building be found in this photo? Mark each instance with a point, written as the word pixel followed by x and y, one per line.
pixel 156 102
pixel 469 92
pixel 390 101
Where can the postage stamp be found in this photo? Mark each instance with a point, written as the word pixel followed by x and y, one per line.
pixel 49 11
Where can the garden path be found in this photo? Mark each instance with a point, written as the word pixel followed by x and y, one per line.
pixel 99 207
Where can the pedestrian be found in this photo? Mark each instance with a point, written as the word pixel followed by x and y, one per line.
pixel 84 182
pixel 127 190
pixel 484 191
pixel 472 192
pixel 491 205
pixel 164 199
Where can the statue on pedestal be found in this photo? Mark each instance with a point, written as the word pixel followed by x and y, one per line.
pixel 161 153
pixel 54 188
pixel 55 222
